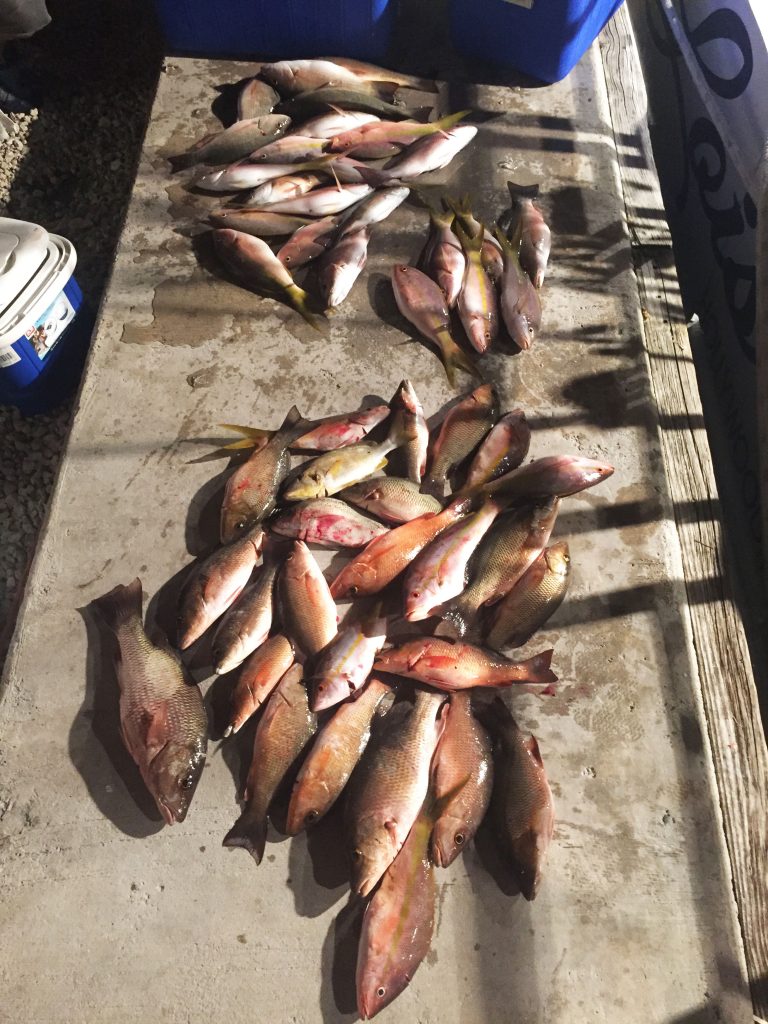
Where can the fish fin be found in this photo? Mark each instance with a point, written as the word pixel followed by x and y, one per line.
pixel 450 120
pixel 455 358
pixel 249 832
pixel 532 746
pixel 255 432
pixel 120 605
pixel 442 218
pixel 182 161
pixel 375 178
pixel 454 622
pixel 154 728
pixel 298 299
pixel 538 668
pixel 522 191
pixel 470 243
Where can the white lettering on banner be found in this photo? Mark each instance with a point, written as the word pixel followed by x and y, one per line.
pixel 9 356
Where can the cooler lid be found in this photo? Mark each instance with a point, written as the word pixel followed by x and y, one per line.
pixel 23 250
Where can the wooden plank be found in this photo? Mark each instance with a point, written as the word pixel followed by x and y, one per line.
pixel 728 692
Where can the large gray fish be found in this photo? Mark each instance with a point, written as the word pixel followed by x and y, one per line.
pixel 392 498
pixel 423 156
pixel 256 98
pixel 338 747
pixel 422 302
pixel 308 242
pixel 550 476
pixel 328 522
pixel 502 450
pixel 373 73
pixel 254 264
pixel 308 610
pixel 162 717
pixel 284 730
pixel 251 491
pixel 535 236
pixel 389 787
pixel 461 432
pixel 520 302
pixel 463 767
pixel 261 223
pixel 522 808
pixel 215 584
pixel 291 149
pixel 411 423
pixel 512 544
pixel 341 266
pixel 536 596
pixel 293 77
pixel 312 102
pixel 233 143
pixel 246 624
pixel 373 209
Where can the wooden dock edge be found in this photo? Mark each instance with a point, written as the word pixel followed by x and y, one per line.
pixel 728 692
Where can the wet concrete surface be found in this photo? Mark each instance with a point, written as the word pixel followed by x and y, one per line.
pixel 107 915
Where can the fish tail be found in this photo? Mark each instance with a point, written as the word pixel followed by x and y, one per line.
pixel 249 832
pixel 182 161
pixel 442 218
pixel 120 605
pixel 537 668
pixel 375 178
pixel 456 619
pixel 522 191
pixel 298 298
pixel 455 358
pixel 469 242
pixel 449 121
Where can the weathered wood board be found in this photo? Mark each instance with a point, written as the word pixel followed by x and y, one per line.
pixel 110 917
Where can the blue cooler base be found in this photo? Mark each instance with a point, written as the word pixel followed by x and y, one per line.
pixel 35 387
pixel 283 29
pixel 544 41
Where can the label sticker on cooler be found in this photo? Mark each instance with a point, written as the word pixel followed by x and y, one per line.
pixel 50 326
pixel 8 356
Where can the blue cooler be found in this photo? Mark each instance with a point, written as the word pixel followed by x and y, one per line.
pixel 278 28
pixel 44 329
pixel 542 38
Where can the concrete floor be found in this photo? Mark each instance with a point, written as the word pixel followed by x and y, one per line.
pixel 110 917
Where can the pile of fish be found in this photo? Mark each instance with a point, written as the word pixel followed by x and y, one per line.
pixel 489 279
pixel 395 708
pixel 299 160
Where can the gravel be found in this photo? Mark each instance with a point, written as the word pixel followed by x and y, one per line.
pixel 69 166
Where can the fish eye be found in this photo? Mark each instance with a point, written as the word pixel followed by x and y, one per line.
pixel 381 991
pixel 240 524
pixel 286 259
pixel 357 856
pixel 459 839
pixel 186 782
pixel 312 816
pixel 416 593
pixel 353 590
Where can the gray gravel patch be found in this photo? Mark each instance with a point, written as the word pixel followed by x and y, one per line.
pixel 69 166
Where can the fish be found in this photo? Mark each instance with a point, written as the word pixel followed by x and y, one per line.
pixel 215 584
pixel 387 556
pixel 254 264
pixel 260 223
pixel 410 420
pixel 464 755
pixel 535 236
pixel 255 98
pixel 308 242
pixel 244 174
pixel 162 716
pixel 452 665
pixel 477 304
pixel 445 262
pixel 328 522
pixel 337 748
pixel 437 574
pixel 399 920
pixel 392 498
pixel 280 188
pixel 306 104
pixel 291 149
pixel 520 302
pixel 259 675
pixel 334 122
pixel 536 596
pixel 251 491
pixel 461 432
pixel 341 265
pixel 292 77
pixel 502 450
pixel 285 728
pixel 422 303
pixel 550 476
pixel 490 248
pixel 246 623
pixel 373 209
pixel 333 471
pixel 389 786
pixel 510 547
pixel 373 73
pixel 423 156
pixel 522 810
pixel 399 133
pixel 308 610
pixel 233 143
pixel 321 202
pixel 346 663
pixel 325 435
